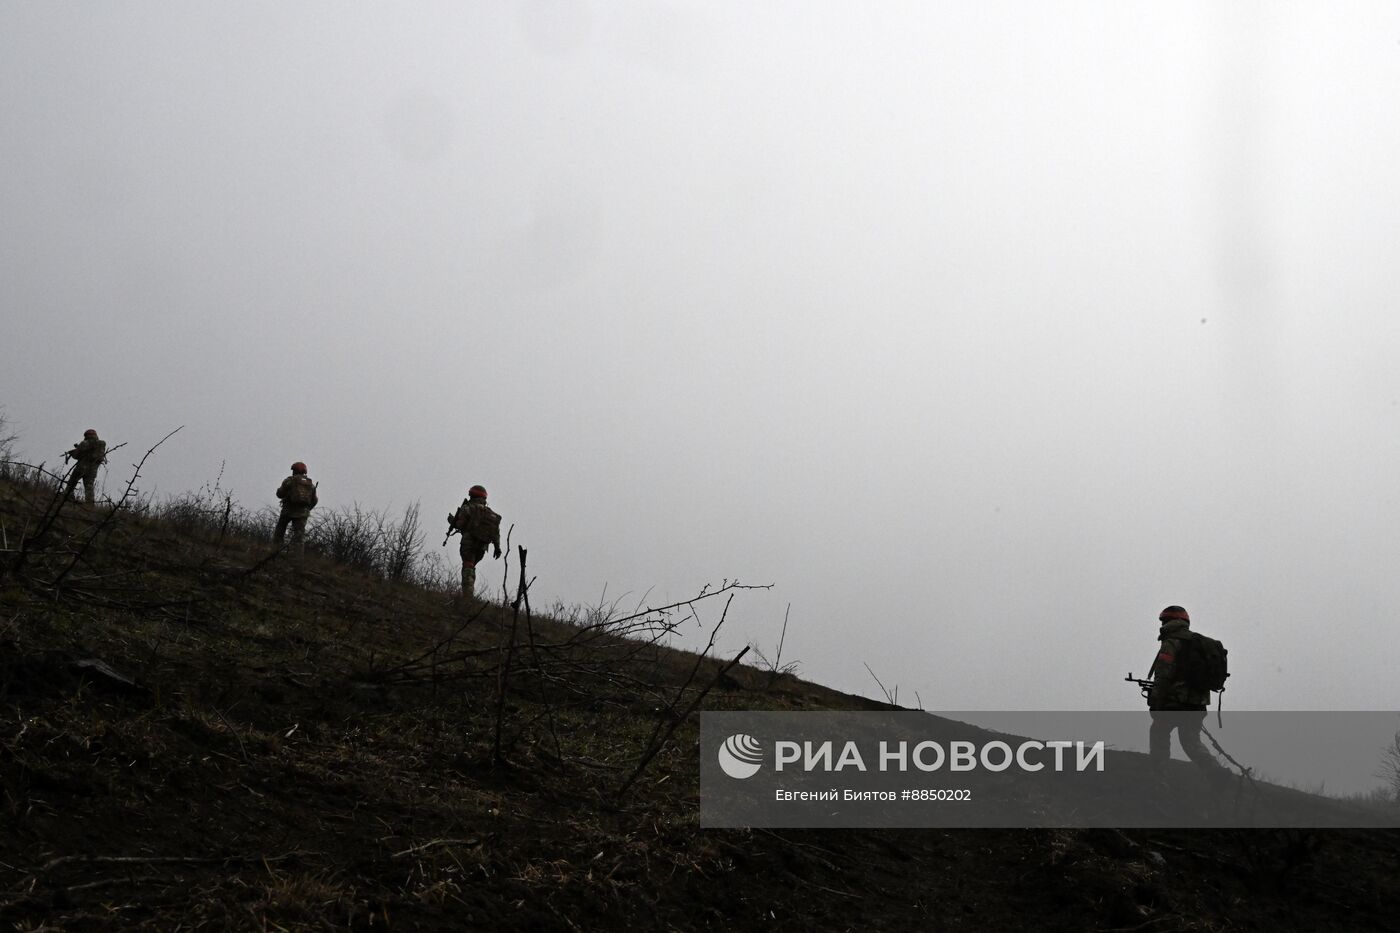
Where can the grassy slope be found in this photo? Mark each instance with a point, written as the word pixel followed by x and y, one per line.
pixel 268 773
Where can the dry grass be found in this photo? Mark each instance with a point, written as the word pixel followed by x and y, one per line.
pixel 311 747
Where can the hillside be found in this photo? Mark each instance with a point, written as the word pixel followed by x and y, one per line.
pixel 283 747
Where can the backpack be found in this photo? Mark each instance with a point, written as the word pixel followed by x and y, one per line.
pixel 1202 662
pixel 90 452
pixel 478 524
pixel 302 491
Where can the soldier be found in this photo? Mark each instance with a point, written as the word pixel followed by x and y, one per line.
pixel 1176 705
pixel 298 495
pixel 87 455
pixel 479 527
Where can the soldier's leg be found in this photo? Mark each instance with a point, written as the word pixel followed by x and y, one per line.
pixel 299 537
pixel 1189 734
pixel 468 576
pixel 280 534
pixel 1159 738
pixel 89 485
pixel 72 484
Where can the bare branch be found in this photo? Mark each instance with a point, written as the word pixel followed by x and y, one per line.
pixel 890 698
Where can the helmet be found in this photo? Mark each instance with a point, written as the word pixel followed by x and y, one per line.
pixel 477 492
pixel 298 467
pixel 1173 612
pixel 90 432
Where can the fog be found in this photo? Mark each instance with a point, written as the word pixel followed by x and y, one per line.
pixel 982 331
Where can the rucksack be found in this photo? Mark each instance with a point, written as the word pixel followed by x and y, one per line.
pixel 478 523
pixel 1202 662
pixel 302 491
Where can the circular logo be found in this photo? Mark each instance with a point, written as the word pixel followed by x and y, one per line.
pixel 741 756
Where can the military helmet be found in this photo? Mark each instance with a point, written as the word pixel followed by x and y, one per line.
pixel 1173 612
pixel 477 492
pixel 90 432
pixel 298 467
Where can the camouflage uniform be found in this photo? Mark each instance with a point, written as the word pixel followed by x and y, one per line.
pixel 1176 706
pixel 87 455
pixel 294 511
pixel 480 528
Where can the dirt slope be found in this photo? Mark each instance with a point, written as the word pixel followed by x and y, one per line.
pixel 292 754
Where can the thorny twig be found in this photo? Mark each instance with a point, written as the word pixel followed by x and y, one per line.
pixel 505 566
pixel 653 745
pixel 675 724
pixel 606 634
pixel 535 657
pixel 503 676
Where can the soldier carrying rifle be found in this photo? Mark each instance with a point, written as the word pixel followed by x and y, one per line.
pixel 298 495
pixel 87 455
pixel 479 527
pixel 1188 666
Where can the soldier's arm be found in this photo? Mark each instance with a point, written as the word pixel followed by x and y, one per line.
pixel 1163 670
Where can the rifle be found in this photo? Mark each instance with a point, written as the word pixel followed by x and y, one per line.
pixel 451 530
pixel 1145 685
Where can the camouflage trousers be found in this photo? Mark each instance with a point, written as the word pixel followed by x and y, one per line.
pixel 89 479
pixel 298 523
pixel 1187 726
pixel 471 556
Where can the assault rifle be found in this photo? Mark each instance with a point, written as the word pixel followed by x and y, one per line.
pixel 1145 685
pixel 451 529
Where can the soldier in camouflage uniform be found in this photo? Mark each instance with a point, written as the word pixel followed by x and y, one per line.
pixel 480 527
pixel 1175 705
pixel 87 455
pixel 298 495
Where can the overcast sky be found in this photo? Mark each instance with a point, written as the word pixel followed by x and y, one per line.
pixel 981 330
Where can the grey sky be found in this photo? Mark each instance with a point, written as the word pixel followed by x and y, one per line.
pixel 983 330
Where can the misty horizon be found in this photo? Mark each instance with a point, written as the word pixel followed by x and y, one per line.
pixel 982 332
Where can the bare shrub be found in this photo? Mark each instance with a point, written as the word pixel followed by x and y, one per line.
pixel 212 512
pixel 436 573
pixel 403 543
pixel 352 536
pixel 7 442
pixel 774 665
pixel 1390 768
pixel 369 540
pixel 13 470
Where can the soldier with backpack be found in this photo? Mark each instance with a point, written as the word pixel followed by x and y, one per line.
pixel 87 455
pixel 298 495
pixel 479 527
pixel 1187 668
